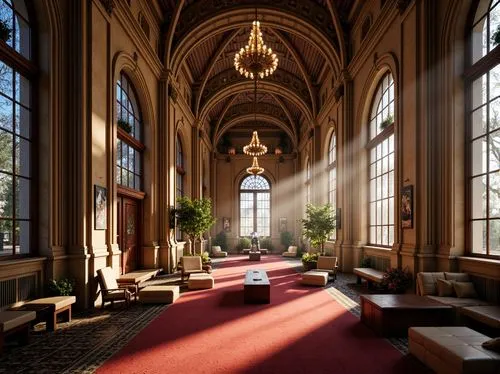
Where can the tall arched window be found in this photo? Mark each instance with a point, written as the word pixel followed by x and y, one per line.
pixel 129 144
pixel 16 132
pixel 308 182
pixel 483 132
pixel 255 206
pixel 332 177
pixel 179 181
pixel 381 156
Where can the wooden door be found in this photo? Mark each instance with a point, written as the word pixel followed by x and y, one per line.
pixel 128 232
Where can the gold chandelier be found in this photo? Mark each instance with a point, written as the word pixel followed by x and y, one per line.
pixel 256 60
pixel 255 148
pixel 255 169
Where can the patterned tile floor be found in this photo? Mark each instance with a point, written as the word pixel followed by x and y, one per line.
pixel 82 345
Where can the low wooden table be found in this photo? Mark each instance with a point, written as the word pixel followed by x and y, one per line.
pixel 254 256
pixel 257 288
pixel 392 315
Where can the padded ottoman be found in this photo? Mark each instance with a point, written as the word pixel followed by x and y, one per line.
pixel 453 350
pixel 200 281
pixel 254 256
pixel 315 278
pixel 159 294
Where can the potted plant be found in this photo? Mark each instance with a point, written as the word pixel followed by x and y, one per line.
pixel 205 258
pixel 5 31
pixel 267 243
pixel 62 287
pixel 309 261
pixel 124 125
pixel 221 240
pixel 389 120
pixel 397 280
pixel 244 243
pixel 318 225
pixel 194 217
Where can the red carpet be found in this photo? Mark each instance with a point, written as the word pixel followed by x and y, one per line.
pixel 303 330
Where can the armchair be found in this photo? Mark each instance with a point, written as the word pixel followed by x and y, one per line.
pixel 110 290
pixel 291 252
pixel 217 252
pixel 328 264
pixel 191 265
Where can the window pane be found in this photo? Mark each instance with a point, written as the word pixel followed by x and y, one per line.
pixel 6 82
pixel 6 196
pixel 494 237
pixel 478 197
pixel 479 236
pixel 479 122
pixel 494 191
pixel 6 143
pixel 479 89
pixel 494 115
pixel 6 237
pixel 494 151
pixel 479 152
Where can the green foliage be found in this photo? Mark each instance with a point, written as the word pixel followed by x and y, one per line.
pixel 124 125
pixel 5 31
pixel 62 287
pixel 221 240
pixel 397 280
pixel 495 37
pixel 366 262
pixel 267 243
pixel 243 244
pixel 310 257
pixel 318 225
pixel 194 217
pixel 205 258
pixel 387 121
pixel 286 238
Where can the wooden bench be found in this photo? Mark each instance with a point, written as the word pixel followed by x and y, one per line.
pixel 15 323
pixel 49 308
pixel 370 275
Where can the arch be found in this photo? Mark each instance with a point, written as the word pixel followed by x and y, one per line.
pixel 250 117
pixel 255 205
pixel 265 86
pixel 332 129
pixel 237 18
pixel 257 182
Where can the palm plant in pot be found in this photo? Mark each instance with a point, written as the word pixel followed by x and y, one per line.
pixel 194 217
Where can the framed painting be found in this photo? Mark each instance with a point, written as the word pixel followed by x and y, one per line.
pixel 407 207
pixel 100 211
pixel 226 224
pixel 283 224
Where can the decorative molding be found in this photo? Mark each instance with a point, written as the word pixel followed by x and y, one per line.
pixel 108 5
pixel 172 92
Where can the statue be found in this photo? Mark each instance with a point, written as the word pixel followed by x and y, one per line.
pixel 255 242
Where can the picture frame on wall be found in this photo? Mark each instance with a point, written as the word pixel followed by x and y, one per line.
pixel 283 224
pixel 226 224
pixel 100 211
pixel 407 207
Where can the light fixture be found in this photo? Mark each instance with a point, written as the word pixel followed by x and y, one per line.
pixel 255 169
pixel 255 148
pixel 255 60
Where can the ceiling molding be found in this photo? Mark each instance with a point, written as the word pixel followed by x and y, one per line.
pixel 301 66
pixel 171 30
pixel 287 112
pixel 206 74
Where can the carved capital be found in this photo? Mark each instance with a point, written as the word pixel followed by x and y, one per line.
pixel 108 5
pixel 172 92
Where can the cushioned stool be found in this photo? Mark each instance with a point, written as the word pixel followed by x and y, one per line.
pixel 200 281
pixel 159 294
pixel 455 349
pixel 15 323
pixel 315 278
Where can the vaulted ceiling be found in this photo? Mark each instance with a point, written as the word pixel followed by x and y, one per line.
pixel 308 37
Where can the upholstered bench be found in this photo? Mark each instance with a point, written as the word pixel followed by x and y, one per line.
pixel 200 281
pixel 315 278
pixel 159 294
pixel 487 314
pixel 371 275
pixel 49 308
pixel 15 322
pixel 455 349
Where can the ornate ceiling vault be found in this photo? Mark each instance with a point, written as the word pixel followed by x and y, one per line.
pixel 308 37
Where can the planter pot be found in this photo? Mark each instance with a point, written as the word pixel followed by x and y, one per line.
pixel 309 265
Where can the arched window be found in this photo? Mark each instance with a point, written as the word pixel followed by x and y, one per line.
pixel 332 177
pixel 483 132
pixel 255 206
pixel 308 182
pixel 381 156
pixel 129 145
pixel 16 132
pixel 180 172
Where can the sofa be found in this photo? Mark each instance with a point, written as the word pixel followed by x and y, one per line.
pixel 436 286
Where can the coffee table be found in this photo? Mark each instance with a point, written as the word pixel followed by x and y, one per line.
pixel 392 315
pixel 256 288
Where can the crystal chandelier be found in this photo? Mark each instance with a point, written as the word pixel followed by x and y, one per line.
pixel 255 148
pixel 256 60
pixel 255 169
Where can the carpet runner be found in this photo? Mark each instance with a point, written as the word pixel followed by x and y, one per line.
pixel 303 330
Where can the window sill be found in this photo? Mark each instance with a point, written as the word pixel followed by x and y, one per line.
pixel 375 248
pixel 480 266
